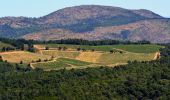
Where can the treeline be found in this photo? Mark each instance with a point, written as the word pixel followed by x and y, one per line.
pixel 19 42
pixel 3 49
pixel 23 44
pixel 137 80
pixel 94 43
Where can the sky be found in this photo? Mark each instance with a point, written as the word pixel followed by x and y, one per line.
pixel 38 8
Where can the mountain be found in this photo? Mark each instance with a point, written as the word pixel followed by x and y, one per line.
pixel 73 15
pixel 153 30
pixel 91 22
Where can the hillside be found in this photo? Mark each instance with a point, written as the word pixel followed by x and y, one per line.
pixel 73 15
pixel 90 22
pixel 153 30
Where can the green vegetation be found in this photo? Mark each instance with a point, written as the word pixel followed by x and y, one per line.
pixel 73 62
pixel 60 63
pixel 51 65
pixel 61 54
pixel 144 48
pixel 118 58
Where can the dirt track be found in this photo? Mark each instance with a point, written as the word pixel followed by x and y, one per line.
pixel 157 56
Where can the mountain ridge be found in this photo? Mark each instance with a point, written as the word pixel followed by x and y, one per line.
pixel 82 21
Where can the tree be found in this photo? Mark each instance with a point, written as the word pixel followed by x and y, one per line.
pixel 1 58
pixel 121 52
pixel 111 51
pixel 3 49
pixel 78 49
pixel 84 49
pixel 46 48
pixel 92 50
pixel 59 48
pixel 39 60
pixel 21 62
pixel 64 48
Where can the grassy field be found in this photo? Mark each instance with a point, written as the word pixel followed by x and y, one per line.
pixel 146 48
pixel 117 58
pixel 26 57
pixel 61 63
pixel 71 58
pixel 61 54
pixel 5 45
pixel 87 58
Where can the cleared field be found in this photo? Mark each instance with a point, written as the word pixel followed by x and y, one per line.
pixel 26 57
pixel 71 58
pixel 89 56
pixel 146 48
pixel 61 63
pixel 92 59
pixel 5 45
pixel 61 54
pixel 116 58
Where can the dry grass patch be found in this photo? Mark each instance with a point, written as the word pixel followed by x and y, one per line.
pixel 108 58
pixel 89 56
pixel 26 57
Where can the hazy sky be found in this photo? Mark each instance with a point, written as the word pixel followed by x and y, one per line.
pixel 37 8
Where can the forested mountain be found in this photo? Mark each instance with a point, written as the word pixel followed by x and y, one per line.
pixel 90 22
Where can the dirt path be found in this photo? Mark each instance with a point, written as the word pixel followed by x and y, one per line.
pixel 31 65
pixel 7 52
pixel 157 56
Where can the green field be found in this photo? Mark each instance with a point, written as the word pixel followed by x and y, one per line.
pixel 5 45
pixel 61 54
pixel 146 48
pixel 60 64
pixel 117 58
